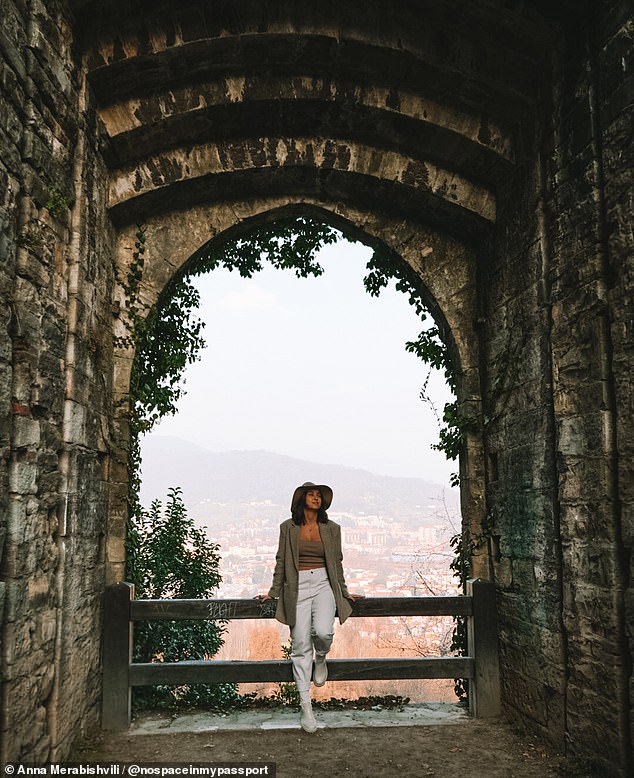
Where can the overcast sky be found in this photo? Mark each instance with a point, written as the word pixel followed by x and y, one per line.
pixel 312 368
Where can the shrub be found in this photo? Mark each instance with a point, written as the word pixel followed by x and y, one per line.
pixel 171 558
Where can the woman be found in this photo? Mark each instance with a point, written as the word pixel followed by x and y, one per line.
pixel 310 588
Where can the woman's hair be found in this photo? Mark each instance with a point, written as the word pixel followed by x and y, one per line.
pixel 298 511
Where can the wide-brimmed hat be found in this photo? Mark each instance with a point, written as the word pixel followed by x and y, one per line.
pixel 326 494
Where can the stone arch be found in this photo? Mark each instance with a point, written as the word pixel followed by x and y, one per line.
pixel 420 113
pixel 346 110
pixel 446 267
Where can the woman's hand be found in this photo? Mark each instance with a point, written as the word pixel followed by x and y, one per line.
pixel 354 597
pixel 262 597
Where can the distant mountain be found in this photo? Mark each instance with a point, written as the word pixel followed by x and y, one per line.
pixel 245 476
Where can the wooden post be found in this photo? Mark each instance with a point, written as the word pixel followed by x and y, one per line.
pixel 116 656
pixel 484 689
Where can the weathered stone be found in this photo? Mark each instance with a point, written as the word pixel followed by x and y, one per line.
pixel 507 155
pixel 23 478
pixel 26 432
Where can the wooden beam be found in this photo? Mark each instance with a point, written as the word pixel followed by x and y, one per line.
pixel 158 610
pixel 116 656
pixel 412 606
pixel 482 630
pixel 175 673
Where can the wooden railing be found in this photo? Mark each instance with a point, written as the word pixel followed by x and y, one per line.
pixel 120 673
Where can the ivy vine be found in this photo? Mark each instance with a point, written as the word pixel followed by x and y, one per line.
pixel 56 204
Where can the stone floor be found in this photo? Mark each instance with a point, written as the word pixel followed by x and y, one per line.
pixel 414 714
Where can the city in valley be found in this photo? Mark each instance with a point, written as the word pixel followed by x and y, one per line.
pixel 384 556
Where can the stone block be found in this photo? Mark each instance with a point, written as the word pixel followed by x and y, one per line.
pixel 46 681
pixel 11 133
pixel 39 752
pixel 585 708
pixel 581 434
pixel 40 555
pixel 627 519
pixel 23 477
pixel 593 564
pixel 47 395
pixel 32 735
pixel 16 524
pixel 75 429
pixel 115 571
pixel 16 600
pixel 516 686
pixel 115 549
pixel 43 522
pixel 13 39
pixel 38 589
pixel 523 574
pixel 46 624
pixel 51 435
pixel 26 432
pixel 47 463
pixel 585 479
pixel 18 644
pixel 6 375
pixel 503 573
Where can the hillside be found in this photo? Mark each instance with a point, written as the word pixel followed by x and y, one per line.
pixel 249 476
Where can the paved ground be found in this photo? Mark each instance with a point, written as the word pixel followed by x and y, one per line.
pixel 422 740
pixel 288 718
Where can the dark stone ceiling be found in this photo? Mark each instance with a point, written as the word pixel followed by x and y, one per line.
pixel 453 83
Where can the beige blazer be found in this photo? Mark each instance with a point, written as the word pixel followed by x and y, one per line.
pixel 286 575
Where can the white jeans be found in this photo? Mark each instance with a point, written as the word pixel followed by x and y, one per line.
pixel 314 623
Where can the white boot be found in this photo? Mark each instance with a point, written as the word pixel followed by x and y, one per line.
pixel 320 673
pixel 307 720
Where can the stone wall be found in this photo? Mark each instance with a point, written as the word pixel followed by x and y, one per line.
pixel 559 493
pixel 614 65
pixel 513 162
pixel 585 270
pixel 55 363
pixel 522 529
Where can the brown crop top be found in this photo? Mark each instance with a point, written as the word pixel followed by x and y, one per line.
pixel 311 554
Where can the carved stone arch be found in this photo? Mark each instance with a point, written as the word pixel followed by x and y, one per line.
pixel 445 265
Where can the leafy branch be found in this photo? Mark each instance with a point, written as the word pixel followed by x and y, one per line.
pixel 286 244
pixel 174 559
